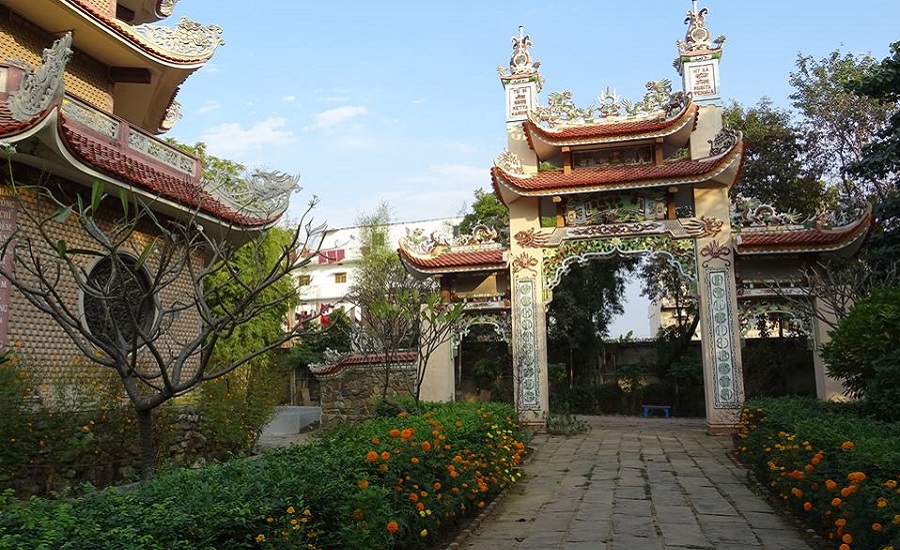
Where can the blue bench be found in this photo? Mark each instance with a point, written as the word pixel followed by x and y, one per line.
pixel 647 408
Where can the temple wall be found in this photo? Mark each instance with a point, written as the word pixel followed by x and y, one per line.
pixel 350 395
pixel 709 122
pixel 85 77
pixel 439 382
pixel 43 348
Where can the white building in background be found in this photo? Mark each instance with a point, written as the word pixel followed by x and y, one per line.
pixel 323 284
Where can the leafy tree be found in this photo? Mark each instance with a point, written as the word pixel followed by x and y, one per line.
pixel 584 303
pixel 880 161
pixel 774 170
pixel 837 123
pixel 178 269
pixel 487 210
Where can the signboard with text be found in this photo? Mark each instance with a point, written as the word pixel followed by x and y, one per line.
pixel 8 221
pixel 520 97
pixel 702 79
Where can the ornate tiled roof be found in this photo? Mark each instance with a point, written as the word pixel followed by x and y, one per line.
pixel 150 47
pixel 785 240
pixel 605 132
pixel 456 261
pixel 617 177
pixel 97 152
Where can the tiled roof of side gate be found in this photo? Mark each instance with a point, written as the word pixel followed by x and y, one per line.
pixel 457 261
pixel 611 131
pixel 616 177
pixel 131 167
pixel 360 360
pixel 802 240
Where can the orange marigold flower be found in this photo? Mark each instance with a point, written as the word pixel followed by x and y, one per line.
pixel 426 446
pixel 420 506
pixel 385 455
pixel 807 506
pixel 395 433
pixel 414 460
pixel 392 527
pixel 847 538
pixel 835 502
pixel 403 414
pixel 882 502
pixel 840 522
pixel 830 484
pixel 844 547
pixel 856 476
pixel 845 492
pixel 375 441
pixel 437 486
pixel 414 497
pixel 890 484
pixel 371 456
pixel 797 492
pixel 407 433
pixel 847 445
pixel 876 527
pixel 364 484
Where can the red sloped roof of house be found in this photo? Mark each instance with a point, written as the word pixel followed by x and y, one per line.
pixel 456 261
pixel 10 126
pixel 611 131
pixel 619 176
pixel 170 184
pixel 802 240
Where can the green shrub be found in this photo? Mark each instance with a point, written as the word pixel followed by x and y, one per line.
pixel 865 345
pixel 390 483
pixel 836 470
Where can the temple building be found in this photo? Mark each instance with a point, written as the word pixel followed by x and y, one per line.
pixel 629 178
pixel 86 88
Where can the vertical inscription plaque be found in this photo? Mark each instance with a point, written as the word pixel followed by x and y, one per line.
pixel 8 221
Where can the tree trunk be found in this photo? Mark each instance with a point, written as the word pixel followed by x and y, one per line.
pixel 145 429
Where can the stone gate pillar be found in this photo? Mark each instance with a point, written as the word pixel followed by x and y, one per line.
pixel 529 330
pixel 719 327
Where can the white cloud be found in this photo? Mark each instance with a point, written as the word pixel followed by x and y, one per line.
pixel 227 139
pixel 453 174
pixel 289 98
pixel 334 117
pixel 208 107
pixel 418 101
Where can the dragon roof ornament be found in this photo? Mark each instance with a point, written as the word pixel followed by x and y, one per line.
pixel 658 102
pixel 697 37
pixel 43 87
pixel 260 193
pixel 185 39
pixel 165 7
pixel 173 114
pixel 510 163
pixel 417 242
pixel 750 213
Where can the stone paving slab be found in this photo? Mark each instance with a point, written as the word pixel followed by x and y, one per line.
pixel 634 484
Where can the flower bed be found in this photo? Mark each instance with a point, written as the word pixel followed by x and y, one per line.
pixel 838 472
pixel 390 483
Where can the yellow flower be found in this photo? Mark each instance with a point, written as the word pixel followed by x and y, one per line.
pixel 290 510
pixel 260 537
pixel 423 533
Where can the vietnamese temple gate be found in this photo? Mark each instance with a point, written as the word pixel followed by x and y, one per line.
pixel 647 177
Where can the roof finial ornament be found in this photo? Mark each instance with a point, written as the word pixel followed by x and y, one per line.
pixel 697 37
pixel 520 63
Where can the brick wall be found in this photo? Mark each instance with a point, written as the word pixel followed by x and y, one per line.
pixel 350 395
pixel 85 77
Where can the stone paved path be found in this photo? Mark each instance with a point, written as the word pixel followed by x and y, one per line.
pixel 634 484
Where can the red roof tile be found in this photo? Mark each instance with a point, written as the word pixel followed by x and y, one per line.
pixel 628 129
pixel 584 179
pixel 100 153
pixel 10 126
pixel 463 260
pixel 401 357
pixel 801 240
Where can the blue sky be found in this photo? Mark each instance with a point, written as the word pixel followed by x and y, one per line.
pixel 400 100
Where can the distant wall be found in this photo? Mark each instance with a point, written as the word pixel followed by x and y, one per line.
pixel 350 394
